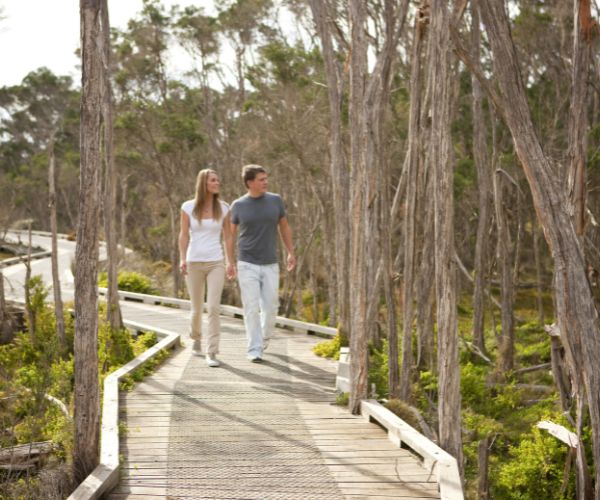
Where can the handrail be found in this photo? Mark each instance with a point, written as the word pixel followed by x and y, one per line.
pixel 438 461
pixel 22 258
pixel 106 475
pixel 232 311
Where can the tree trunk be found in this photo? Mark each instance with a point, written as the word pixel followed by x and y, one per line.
pixel 113 311
pixel 505 361
pixel 575 308
pixel 535 235
pixel 484 190
pixel 86 398
pixel 445 274
pixel 413 154
pixel 483 453
pixel 583 32
pixel 30 315
pixel 58 304
pixel 337 166
pixel 359 187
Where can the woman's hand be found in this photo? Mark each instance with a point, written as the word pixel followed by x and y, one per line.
pixel 230 271
pixel 183 267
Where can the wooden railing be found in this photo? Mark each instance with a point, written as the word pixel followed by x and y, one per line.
pixel 232 311
pixel 106 475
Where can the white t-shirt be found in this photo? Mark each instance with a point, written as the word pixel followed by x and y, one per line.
pixel 205 238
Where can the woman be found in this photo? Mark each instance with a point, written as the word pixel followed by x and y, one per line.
pixel 202 261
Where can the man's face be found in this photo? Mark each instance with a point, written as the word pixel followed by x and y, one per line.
pixel 259 184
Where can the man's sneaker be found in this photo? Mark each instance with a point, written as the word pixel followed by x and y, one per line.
pixel 255 359
pixel 197 348
pixel 212 361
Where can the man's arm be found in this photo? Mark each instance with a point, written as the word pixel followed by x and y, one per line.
pixel 286 236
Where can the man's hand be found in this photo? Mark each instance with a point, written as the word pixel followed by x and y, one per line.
pixel 183 267
pixel 230 271
pixel 291 262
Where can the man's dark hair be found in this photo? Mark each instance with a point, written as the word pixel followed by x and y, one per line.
pixel 249 173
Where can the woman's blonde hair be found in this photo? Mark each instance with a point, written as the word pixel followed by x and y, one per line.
pixel 202 194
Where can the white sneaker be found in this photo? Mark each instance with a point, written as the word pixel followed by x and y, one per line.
pixel 197 348
pixel 212 361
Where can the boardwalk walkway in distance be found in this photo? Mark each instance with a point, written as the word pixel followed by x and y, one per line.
pixel 253 431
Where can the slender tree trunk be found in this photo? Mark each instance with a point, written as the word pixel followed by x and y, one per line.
pixel 87 402
pixel 505 361
pixel 576 312
pixel 483 453
pixel 113 311
pixel 583 32
pixel 445 274
pixel 30 315
pixel 413 154
pixel 535 235
pixel 58 304
pixel 425 285
pixel 484 189
pixel 359 187
pixel 337 166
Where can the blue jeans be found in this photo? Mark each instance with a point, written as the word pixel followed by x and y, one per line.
pixel 259 285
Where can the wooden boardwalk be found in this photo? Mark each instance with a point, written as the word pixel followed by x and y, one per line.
pixel 253 431
pixel 244 430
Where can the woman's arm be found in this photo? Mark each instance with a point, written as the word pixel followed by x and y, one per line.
pixel 229 238
pixel 184 240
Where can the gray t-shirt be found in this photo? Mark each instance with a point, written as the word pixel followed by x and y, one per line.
pixel 257 220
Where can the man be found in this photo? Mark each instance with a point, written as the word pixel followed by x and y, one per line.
pixel 259 215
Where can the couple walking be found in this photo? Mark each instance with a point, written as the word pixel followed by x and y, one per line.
pixel 257 216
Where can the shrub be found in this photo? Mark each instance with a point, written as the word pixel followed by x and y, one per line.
pixel 329 348
pixel 129 281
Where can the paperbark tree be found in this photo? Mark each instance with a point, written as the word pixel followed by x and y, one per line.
pixel 358 194
pixel 583 33
pixel 86 397
pixel 484 189
pixel 576 312
pixel 413 157
pixel 440 77
pixel 324 18
pixel 58 304
pixel 113 311
pixel 505 252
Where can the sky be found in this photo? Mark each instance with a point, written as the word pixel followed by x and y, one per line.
pixel 35 33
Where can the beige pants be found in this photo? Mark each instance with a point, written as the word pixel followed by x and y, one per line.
pixel 210 276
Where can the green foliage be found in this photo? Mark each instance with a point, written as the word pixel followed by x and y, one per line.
pixel 342 399
pixel 129 281
pixel 534 469
pixel 464 176
pixel 35 367
pixel 329 348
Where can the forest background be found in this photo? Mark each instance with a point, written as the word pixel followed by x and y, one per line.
pixel 291 104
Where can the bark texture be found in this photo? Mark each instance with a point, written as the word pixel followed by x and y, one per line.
pixel 445 274
pixel 575 308
pixel 87 402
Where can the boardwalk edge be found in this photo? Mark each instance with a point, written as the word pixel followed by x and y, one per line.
pixel 438 461
pixel 106 475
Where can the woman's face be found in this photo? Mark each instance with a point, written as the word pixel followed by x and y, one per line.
pixel 212 183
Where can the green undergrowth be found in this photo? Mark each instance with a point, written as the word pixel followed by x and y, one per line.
pixel 130 281
pixel 35 366
pixel 525 462
pixel 329 348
